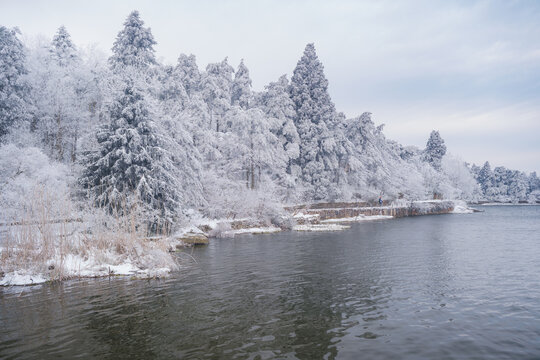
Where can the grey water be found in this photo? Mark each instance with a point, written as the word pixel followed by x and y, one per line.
pixel 459 286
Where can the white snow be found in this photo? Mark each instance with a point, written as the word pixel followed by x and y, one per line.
pixel 320 227
pixel 357 219
pixel 460 207
pixel 305 216
pixel 19 278
pixel 508 204
pixel 253 230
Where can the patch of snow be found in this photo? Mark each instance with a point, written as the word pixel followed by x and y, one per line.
pixel 507 204
pixel 16 278
pixel 460 207
pixel 357 219
pixel 187 230
pixel 255 230
pixel 320 227
pixel 305 216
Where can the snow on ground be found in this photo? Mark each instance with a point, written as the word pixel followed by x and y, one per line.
pixel 20 278
pixel 96 265
pixel 357 219
pixel 508 204
pixel 304 216
pixel 320 227
pixel 254 230
pixel 460 207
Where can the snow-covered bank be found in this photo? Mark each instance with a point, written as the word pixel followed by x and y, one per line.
pixel 358 218
pixel 461 207
pixel 39 252
pixel 320 227
pixel 507 204
pixel 255 230
pixel 43 251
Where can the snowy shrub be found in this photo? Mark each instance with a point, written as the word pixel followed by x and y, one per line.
pixel 26 172
pixel 462 184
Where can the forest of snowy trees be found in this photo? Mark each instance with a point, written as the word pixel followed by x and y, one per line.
pixel 129 132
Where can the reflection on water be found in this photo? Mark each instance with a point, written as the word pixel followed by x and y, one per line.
pixel 453 286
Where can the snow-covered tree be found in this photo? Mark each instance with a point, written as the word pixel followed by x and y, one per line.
pixel 254 152
pixel 485 177
pixel 65 94
pixel 241 87
pixel 13 88
pixel 172 94
pixel 315 119
pixel 63 51
pixel 374 166
pixel 435 150
pixel 188 73
pixel 278 106
pixel 216 84
pixel 133 164
pixel 134 45
pixel 534 181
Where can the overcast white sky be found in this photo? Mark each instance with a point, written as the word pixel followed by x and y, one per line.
pixel 470 69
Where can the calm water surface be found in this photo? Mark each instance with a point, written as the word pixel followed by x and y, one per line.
pixel 433 287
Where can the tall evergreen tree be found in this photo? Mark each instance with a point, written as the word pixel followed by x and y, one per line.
pixel 188 73
pixel 134 45
pixel 13 89
pixel 277 105
pixel 133 164
pixel 485 177
pixel 63 51
pixel 241 87
pixel 315 120
pixel 435 150
pixel 216 85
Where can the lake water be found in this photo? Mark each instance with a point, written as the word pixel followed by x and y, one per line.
pixel 432 287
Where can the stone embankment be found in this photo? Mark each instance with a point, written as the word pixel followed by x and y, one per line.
pixel 326 211
pixel 318 217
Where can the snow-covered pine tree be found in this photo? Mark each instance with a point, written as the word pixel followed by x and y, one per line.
pixel 241 87
pixel 315 121
pixel 62 49
pixel 278 106
pixel 534 182
pixel 374 164
pixel 188 72
pixel 172 94
pixel 60 91
pixel 485 177
pixel 13 88
pixel 133 165
pixel 253 152
pixel 216 84
pixel 134 45
pixel 435 150
pixel 518 188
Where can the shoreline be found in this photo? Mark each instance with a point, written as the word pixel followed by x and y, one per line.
pixel 321 217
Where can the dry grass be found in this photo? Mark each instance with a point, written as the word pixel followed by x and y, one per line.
pixel 44 236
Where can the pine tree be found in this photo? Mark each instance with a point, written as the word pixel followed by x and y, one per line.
pixel 13 89
pixel 133 163
pixel 188 73
pixel 134 45
pixel 534 182
pixel 241 87
pixel 315 120
pixel 277 104
pixel 63 51
pixel 435 150
pixel 61 95
pixel 216 85
pixel 485 177
pixel 173 94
